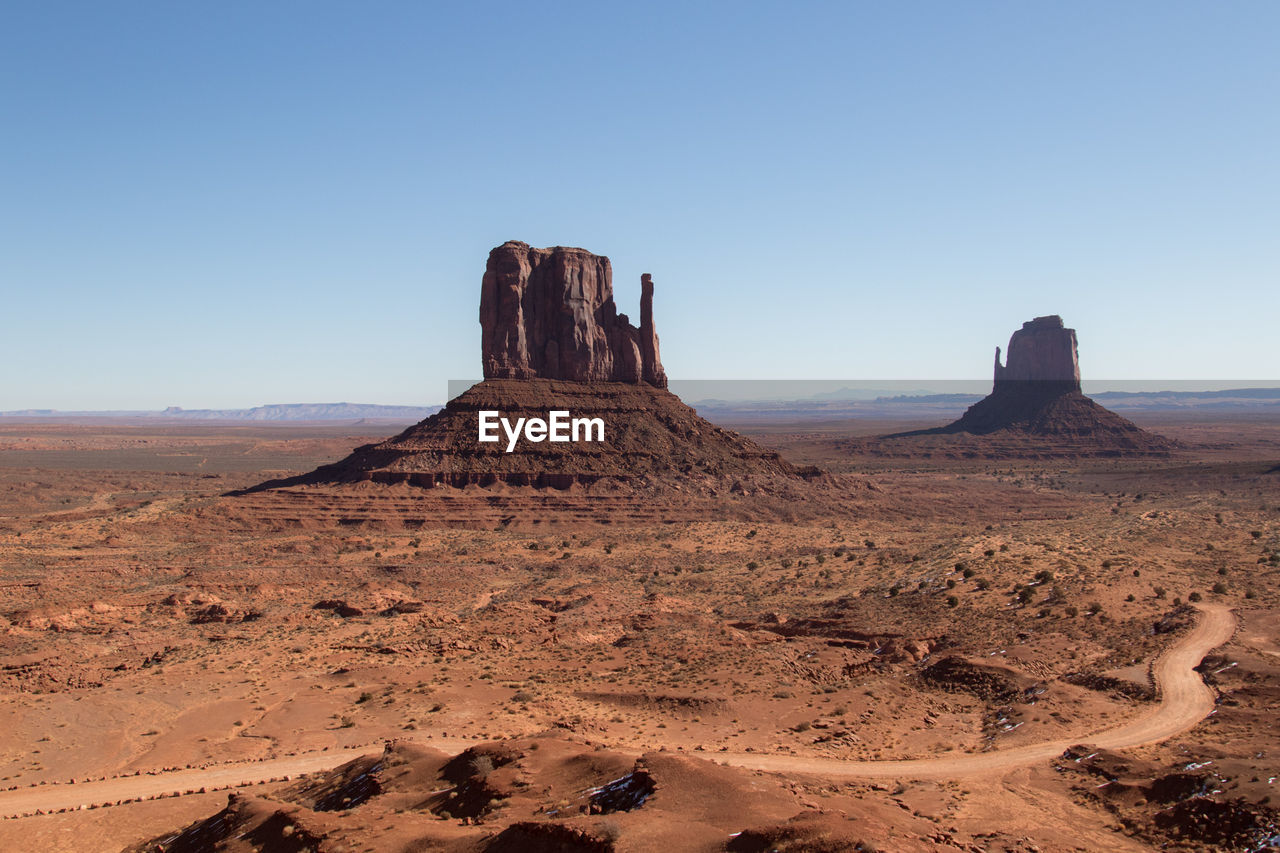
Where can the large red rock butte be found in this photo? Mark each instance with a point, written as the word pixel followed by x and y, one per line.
pixel 549 314
pixel 553 340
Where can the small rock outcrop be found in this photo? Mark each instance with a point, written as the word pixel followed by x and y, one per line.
pixel 549 314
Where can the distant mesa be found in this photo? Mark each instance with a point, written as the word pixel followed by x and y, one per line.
pixel 1036 396
pixel 552 339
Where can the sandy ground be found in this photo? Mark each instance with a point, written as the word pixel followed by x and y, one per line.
pixel 929 650
pixel 1185 700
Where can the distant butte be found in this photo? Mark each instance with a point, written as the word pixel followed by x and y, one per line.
pixel 1036 402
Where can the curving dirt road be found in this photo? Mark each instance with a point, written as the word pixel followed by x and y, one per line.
pixel 1185 700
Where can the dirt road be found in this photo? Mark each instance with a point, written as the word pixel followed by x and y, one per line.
pixel 1185 700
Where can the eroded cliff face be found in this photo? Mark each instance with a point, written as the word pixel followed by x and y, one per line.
pixel 549 314
pixel 1043 350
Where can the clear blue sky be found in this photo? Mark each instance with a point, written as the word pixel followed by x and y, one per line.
pixel 235 203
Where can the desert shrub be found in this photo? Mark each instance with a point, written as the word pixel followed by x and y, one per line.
pixel 952 601
pixel 1095 607
pixel 1195 596
pixel 1220 588
pixel 753 565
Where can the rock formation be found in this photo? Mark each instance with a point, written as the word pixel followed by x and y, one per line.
pixel 1036 407
pixel 553 340
pixel 1043 350
pixel 549 314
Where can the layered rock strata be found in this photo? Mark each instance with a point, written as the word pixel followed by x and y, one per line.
pixel 650 438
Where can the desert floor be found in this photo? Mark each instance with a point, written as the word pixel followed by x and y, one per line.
pixel 973 621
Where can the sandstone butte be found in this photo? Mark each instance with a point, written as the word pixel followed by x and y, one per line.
pixel 1036 394
pixel 553 339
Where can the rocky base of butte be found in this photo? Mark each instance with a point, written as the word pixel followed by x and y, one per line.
pixel 652 439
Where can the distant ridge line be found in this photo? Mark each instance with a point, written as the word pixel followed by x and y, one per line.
pixel 274 412
pixel 1234 398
